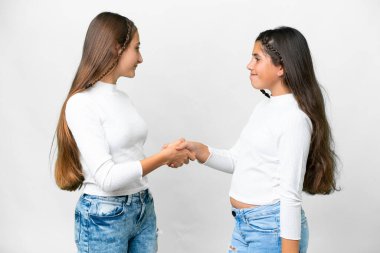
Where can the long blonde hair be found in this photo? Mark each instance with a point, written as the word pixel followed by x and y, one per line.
pixel 100 56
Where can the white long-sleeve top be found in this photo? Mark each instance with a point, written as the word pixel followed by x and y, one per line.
pixel 268 161
pixel 110 135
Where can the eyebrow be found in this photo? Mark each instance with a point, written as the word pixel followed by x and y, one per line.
pixel 256 55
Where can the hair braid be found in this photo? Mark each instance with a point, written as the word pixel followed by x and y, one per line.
pixel 113 65
pixel 265 43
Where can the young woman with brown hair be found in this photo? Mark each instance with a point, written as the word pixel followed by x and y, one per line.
pixel 100 139
pixel 285 148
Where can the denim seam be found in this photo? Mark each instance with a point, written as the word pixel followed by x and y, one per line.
pixel 238 225
pixel 86 234
pixel 79 226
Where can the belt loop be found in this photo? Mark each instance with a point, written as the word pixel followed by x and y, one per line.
pixel 142 195
pixel 129 199
pixel 245 218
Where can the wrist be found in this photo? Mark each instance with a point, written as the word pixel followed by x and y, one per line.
pixel 163 157
pixel 202 153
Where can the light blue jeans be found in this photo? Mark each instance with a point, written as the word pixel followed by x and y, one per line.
pixel 122 224
pixel 257 230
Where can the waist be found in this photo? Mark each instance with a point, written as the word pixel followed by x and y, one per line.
pixel 258 211
pixel 135 197
pixel 240 205
pixel 92 188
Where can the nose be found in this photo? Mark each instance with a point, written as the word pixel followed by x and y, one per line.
pixel 140 60
pixel 250 65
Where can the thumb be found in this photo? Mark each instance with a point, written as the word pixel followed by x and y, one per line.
pixel 181 145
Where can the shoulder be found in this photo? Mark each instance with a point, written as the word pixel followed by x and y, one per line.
pixel 80 103
pixel 297 120
pixel 79 99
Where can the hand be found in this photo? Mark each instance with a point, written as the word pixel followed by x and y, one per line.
pixel 200 150
pixel 176 158
pixel 174 143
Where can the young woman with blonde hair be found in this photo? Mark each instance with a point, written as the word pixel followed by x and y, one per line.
pixel 100 139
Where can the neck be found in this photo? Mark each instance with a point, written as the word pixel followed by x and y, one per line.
pixel 279 89
pixel 110 78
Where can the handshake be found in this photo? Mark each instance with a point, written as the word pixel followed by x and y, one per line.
pixel 180 152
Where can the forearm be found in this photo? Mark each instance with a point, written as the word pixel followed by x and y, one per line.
pixel 289 246
pixel 220 159
pixel 153 162
pixel 169 155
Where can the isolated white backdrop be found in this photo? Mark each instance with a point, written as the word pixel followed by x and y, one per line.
pixel 193 84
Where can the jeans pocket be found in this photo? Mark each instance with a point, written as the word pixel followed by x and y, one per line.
pixel 77 226
pixel 267 224
pixel 102 212
pixel 106 209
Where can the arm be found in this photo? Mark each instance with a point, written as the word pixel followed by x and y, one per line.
pixel 289 246
pixel 293 150
pixel 168 155
pixel 85 125
pixel 219 159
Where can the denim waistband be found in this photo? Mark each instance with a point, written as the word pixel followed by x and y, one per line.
pixel 257 211
pixel 135 197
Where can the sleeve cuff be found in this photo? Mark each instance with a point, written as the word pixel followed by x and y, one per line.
pixel 290 221
pixel 220 159
pixel 208 158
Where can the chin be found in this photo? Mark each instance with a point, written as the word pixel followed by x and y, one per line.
pixel 130 75
pixel 256 85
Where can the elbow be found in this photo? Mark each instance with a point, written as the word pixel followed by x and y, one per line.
pixel 110 186
pixel 114 177
pixel 291 199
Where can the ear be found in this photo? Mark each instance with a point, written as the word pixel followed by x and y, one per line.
pixel 118 48
pixel 280 71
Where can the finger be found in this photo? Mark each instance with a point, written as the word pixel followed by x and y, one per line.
pixel 179 141
pixel 186 161
pixel 176 164
pixel 192 156
pixel 165 146
pixel 181 146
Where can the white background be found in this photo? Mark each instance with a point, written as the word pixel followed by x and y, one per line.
pixel 193 84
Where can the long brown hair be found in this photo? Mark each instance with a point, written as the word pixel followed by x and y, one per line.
pixel 288 47
pixel 100 56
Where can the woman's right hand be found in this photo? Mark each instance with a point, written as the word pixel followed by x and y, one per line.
pixel 177 157
pixel 200 150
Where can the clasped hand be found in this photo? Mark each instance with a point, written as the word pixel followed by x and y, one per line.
pixel 178 153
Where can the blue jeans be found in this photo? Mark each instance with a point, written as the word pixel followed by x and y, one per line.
pixel 122 224
pixel 257 230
